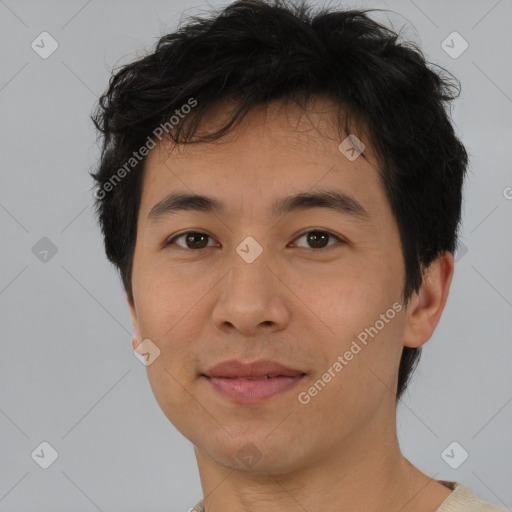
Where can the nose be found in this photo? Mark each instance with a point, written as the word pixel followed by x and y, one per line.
pixel 252 299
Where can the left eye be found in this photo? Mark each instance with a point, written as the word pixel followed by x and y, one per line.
pixel 318 238
pixel 198 240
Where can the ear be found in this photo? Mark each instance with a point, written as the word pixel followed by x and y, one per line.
pixel 426 306
pixel 135 323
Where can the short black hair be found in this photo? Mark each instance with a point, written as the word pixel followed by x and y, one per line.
pixel 256 51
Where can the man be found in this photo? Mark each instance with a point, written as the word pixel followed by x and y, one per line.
pixel 280 190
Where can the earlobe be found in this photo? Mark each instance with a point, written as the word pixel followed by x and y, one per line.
pixel 426 306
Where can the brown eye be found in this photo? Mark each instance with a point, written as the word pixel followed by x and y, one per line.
pixel 193 240
pixel 318 239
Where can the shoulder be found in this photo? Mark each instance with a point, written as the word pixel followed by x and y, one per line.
pixel 463 500
pixel 198 507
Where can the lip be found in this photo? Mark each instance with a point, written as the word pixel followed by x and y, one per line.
pixel 237 369
pixel 243 391
pixel 247 382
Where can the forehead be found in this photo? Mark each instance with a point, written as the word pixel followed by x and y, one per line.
pixel 275 149
pixel 319 127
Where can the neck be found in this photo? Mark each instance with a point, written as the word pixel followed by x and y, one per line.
pixel 366 473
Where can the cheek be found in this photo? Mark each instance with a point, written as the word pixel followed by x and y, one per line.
pixel 163 299
pixel 344 303
pixel 366 324
pixel 375 367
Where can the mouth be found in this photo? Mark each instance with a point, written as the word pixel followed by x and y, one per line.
pixel 261 377
pixel 253 382
pixel 252 389
pixel 261 369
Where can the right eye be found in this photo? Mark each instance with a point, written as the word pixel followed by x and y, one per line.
pixel 194 240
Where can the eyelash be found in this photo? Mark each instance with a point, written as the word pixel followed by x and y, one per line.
pixel 322 231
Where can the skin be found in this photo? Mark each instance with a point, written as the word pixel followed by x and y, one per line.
pixel 299 307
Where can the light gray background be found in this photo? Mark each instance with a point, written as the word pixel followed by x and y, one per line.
pixel 68 374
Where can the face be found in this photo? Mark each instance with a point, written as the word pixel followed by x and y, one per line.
pixel 325 280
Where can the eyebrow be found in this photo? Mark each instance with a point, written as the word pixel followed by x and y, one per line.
pixel 331 199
